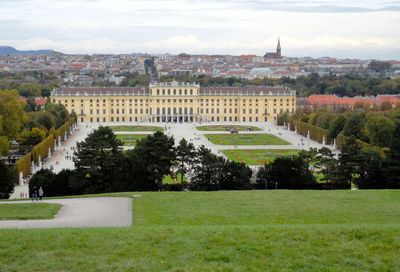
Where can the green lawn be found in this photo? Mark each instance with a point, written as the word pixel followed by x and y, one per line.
pixel 257 156
pixel 28 211
pixel 168 179
pixel 245 139
pixel 227 128
pixel 130 139
pixel 225 231
pixel 136 128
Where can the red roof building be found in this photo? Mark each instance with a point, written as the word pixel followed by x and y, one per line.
pixel 333 100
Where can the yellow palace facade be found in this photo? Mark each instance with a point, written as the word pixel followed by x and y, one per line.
pixel 176 102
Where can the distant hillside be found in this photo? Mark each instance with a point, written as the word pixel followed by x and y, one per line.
pixel 8 50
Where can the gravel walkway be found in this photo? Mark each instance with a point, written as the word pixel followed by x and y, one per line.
pixel 80 213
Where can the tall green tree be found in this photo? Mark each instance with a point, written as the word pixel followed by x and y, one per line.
pixel 206 171
pixel 392 160
pixel 354 125
pixel 349 162
pixel 337 126
pixel 30 89
pixel 7 181
pixel 185 153
pixel 370 170
pixel 12 113
pixel 98 160
pixel 290 172
pixel 235 176
pixel 379 130
pixel 151 159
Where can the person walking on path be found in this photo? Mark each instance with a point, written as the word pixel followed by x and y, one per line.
pixel 34 193
pixel 40 193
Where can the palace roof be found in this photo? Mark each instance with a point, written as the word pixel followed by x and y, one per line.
pixel 253 90
pixel 99 91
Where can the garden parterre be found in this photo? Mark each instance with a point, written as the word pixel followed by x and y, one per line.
pixel 257 156
pixel 130 139
pixel 246 139
pixel 136 128
pixel 228 128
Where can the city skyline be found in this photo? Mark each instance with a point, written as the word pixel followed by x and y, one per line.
pixel 343 29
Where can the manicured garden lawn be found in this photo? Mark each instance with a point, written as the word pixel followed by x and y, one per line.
pixel 225 231
pixel 245 139
pixel 227 128
pixel 169 180
pixel 28 211
pixel 130 139
pixel 257 156
pixel 136 128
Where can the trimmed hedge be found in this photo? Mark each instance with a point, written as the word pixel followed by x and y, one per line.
pixel 24 164
pixel 42 148
pixel 64 128
pixel 316 133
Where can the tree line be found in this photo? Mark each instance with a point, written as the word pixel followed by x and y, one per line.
pixel 346 85
pixel 28 126
pixel 374 127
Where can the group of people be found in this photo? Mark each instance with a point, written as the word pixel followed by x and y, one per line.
pixel 37 193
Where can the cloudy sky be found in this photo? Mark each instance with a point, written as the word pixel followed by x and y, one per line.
pixel 342 28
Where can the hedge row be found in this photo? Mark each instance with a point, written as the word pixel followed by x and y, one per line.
pixel 42 148
pixel 24 164
pixel 303 128
pixel 317 134
pixel 64 128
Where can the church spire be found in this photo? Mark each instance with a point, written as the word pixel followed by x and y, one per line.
pixel 278 49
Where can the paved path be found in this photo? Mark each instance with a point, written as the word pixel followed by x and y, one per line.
pixel 80 213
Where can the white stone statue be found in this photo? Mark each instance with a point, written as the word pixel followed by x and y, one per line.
pixel 21 178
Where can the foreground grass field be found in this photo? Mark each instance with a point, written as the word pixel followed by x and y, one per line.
pixel 225 231
pixel 28 211
pixel 130 139
pixel 245 139
pixel 257 156
pixel 136 128
pixel 227 128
